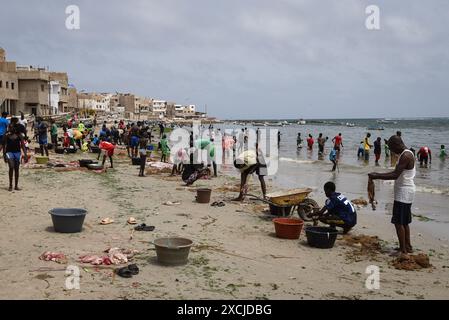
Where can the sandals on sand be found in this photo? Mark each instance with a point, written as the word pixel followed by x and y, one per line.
pixel 218 204
pixel 128 272
pixel 106 221
pixel 144 227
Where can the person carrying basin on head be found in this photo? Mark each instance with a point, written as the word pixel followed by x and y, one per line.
pixel 340 211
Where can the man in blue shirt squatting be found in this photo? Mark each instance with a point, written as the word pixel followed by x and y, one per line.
pixel 340 211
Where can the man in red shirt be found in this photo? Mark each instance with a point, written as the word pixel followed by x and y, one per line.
pixel 424 155
pixel 338 141
pixel 310 142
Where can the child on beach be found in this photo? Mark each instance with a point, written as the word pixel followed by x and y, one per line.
pixel 443 154
pixel 340 211
pixel 165 149
pixel 333 158
pixel 361 150
pixel 143 144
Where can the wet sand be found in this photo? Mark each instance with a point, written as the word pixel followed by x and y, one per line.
pixel 235 255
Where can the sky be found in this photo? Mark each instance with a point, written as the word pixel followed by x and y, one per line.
pixel 246 59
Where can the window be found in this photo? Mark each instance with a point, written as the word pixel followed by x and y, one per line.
pixel 7 85
pixel 42 87
pixel 12 85
pixel 1 84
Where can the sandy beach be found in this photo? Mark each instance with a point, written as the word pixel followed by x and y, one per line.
pixel 236 254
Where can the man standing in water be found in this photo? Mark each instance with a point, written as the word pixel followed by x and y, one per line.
pixel 321 142
pixel 404 191
pixel 367 146
pixel 299 141
pixel 338 142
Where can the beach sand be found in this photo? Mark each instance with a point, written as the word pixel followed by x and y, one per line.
pixel 235 255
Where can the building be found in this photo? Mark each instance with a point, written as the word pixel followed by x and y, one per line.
pixel 9 89
pixel 159 108
pixel 72 101
pixel 128 102
pixel 38 89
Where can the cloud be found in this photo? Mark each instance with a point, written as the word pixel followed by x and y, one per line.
pixel 251 58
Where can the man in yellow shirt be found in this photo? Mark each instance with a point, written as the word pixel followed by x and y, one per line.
pixel 367 146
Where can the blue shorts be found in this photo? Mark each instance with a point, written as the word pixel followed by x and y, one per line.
pixel 14 156
pixel 43 140
pixel 134 141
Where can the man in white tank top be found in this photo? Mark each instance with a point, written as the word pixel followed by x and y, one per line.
pixel 404 190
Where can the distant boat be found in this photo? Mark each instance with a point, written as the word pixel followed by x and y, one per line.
pixel 302 122
pixel 350 125
pixel 387 121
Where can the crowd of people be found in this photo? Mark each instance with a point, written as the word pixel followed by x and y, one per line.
pixel 366 146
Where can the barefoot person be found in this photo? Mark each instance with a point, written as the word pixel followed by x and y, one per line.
pixel 12 146
pixel 404 191
pixel 340 211
pixel 250 162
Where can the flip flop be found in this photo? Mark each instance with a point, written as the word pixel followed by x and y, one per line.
pixel 132 220
pixel 214 204
pixel 144 227
pixel 134 269
pixel 124 272
pixel 106 221
pixel 221 204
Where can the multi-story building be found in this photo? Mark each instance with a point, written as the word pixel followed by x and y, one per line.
pixel 159 108
pixel 38 88
pixel 72 101
pixel 9 93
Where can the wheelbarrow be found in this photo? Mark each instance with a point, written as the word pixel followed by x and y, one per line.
pixel 285 203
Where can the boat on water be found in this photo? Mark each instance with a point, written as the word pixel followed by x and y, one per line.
pixel 387 121
pixel 302 122
pixel 350 125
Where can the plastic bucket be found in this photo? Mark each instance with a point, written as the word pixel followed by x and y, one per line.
pixel 203 195
pixel 68 220
pixel 280 211
pixel 85 162
pixel 321 237
pixel 173 251
pixel 287 228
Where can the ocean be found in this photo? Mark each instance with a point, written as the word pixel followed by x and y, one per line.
pixel 302 168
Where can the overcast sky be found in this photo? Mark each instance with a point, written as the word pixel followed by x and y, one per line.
pixel 246 58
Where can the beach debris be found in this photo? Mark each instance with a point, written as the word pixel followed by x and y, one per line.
pixel 412 262
pixel 144 227
pixel 113 256
pixel 360 202
pixel 169 203
pixel 53 256
pixel 371 194
pixel 106 221
pixel 158 167
pixel 132 220
pixel 364 246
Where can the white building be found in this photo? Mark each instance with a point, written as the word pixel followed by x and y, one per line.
pixel 55 91
pixel 159 108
